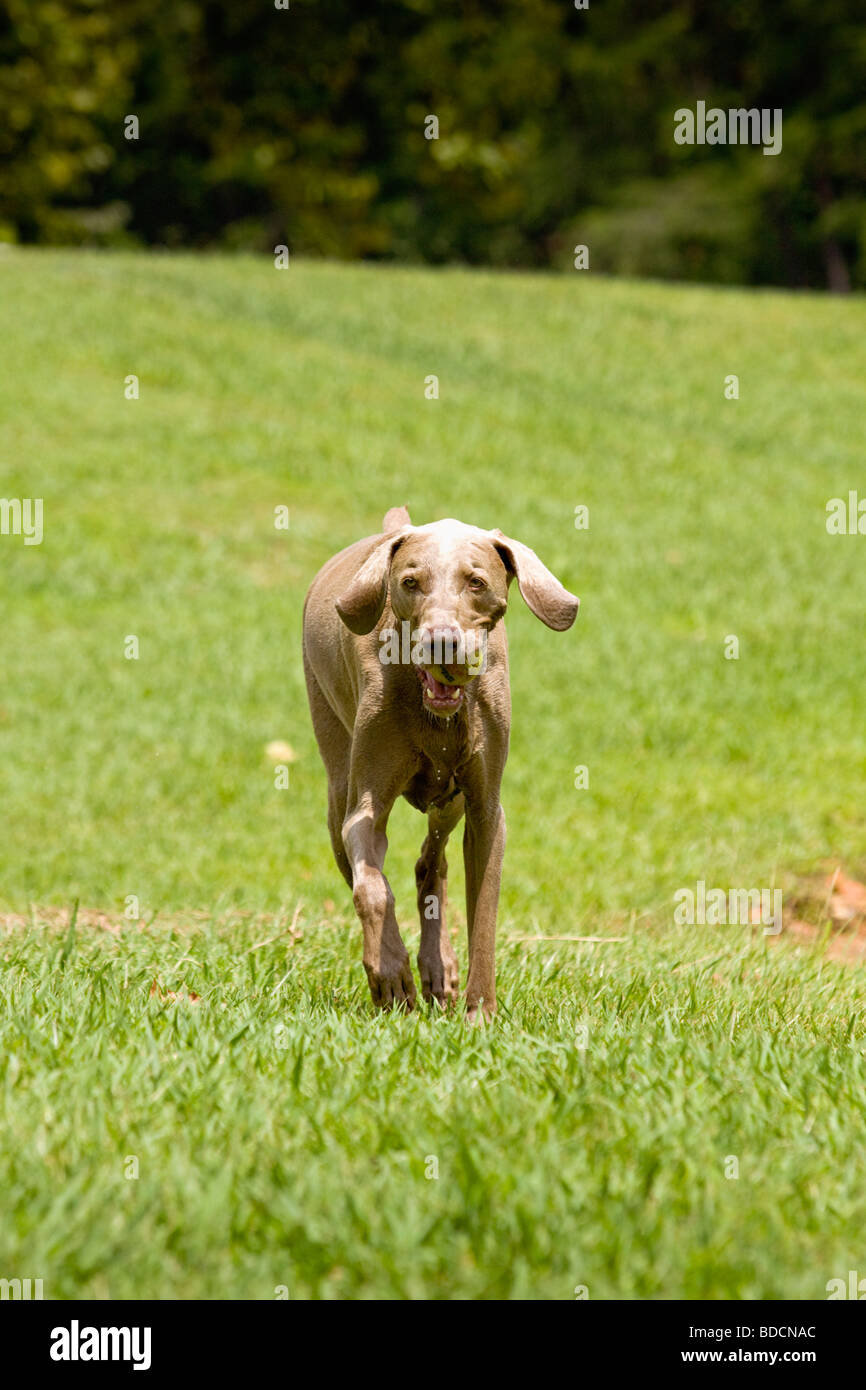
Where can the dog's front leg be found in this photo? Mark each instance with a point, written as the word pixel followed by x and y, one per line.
pixel 386 959
pixel 483 849
pixel 437 962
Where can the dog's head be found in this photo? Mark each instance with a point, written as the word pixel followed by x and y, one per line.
pixel 450 583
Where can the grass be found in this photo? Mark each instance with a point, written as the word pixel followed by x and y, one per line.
pixel 282 1131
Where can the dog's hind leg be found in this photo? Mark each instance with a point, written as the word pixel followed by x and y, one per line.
pixel 335 746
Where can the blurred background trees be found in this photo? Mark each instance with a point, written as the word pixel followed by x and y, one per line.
pixel 306 125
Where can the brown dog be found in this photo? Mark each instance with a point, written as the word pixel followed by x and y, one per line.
pixel 406 663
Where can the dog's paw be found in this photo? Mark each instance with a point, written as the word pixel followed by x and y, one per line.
pixel 479 1012
pixel 439 976
pixel 391 983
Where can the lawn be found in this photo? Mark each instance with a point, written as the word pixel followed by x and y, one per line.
pixel 271 1132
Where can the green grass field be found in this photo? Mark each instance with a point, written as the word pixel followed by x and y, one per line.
pixel 283 1135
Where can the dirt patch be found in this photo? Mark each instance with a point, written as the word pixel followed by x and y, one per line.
pixel 830 912
pixel 826 912
pixel 59 919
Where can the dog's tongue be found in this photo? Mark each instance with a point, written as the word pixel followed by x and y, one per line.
pixel 441 691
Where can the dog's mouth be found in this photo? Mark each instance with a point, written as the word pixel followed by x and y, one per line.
pixel 438 695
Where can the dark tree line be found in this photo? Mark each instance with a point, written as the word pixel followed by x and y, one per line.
pixel 306 126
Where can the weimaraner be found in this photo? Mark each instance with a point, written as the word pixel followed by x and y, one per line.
pixel 427 718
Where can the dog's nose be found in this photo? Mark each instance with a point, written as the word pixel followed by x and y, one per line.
pixel 440 643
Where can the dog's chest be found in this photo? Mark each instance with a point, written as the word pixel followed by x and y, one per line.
pixel 434 782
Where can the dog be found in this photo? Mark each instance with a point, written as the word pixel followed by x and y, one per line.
pixel 427 719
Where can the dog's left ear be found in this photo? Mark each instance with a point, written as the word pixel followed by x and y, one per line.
pixel 360 606
pixel 542 592
pixel 396 519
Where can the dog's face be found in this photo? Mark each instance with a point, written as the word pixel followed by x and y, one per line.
pixel 449 582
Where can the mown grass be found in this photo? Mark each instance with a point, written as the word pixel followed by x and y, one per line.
pixel 282 1131
pixel 281 1136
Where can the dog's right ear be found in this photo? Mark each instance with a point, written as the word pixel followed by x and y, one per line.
pixel 360 606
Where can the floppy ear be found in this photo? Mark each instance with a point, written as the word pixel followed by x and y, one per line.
pixel 360 606
pixel 542 592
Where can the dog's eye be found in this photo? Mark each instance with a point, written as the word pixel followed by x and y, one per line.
pixel 410 583
pixel 476 583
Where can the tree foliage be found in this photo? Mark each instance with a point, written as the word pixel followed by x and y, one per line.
pixel 306 125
